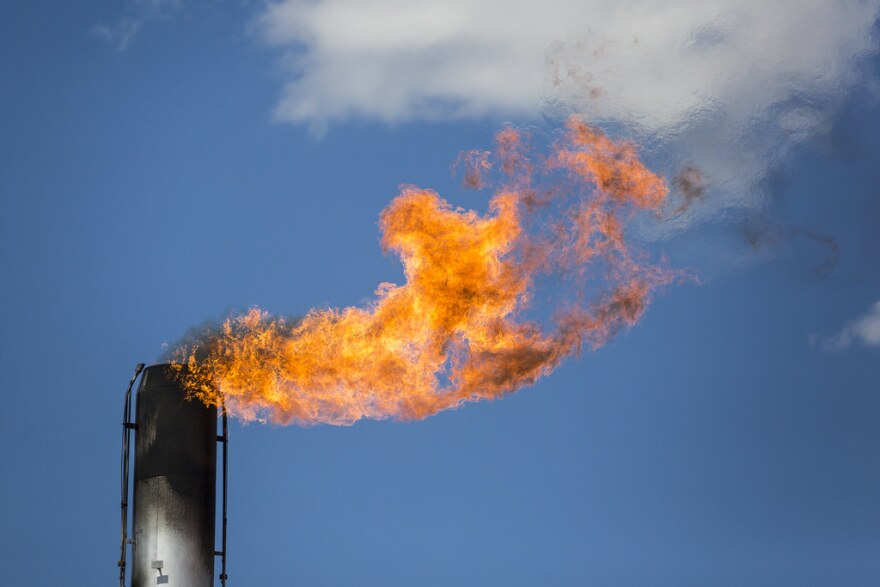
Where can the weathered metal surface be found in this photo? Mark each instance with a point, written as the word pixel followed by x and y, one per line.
pixel 174 486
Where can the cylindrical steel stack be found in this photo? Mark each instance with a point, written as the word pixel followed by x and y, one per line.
pixel 174 485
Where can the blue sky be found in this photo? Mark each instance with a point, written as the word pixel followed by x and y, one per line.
pixel 166 162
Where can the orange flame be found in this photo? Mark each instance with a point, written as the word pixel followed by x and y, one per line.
pixel 455 331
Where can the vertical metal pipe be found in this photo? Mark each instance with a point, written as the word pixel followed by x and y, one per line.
pixel 223 575
pixel 127 427
pixel 175 476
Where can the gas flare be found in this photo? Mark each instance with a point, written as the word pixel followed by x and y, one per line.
pixel 456 331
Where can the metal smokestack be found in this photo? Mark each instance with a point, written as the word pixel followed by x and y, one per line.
pixel 175 482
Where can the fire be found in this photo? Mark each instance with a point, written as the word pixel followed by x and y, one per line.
pixel 456 330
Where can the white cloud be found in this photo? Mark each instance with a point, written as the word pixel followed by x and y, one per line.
pixel 121 34
pixel 865 329
pixel 729 85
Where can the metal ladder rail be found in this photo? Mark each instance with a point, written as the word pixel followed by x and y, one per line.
pixel 127 427
pixel 222 553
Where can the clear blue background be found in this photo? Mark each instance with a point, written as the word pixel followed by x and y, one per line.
pixel 146 191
